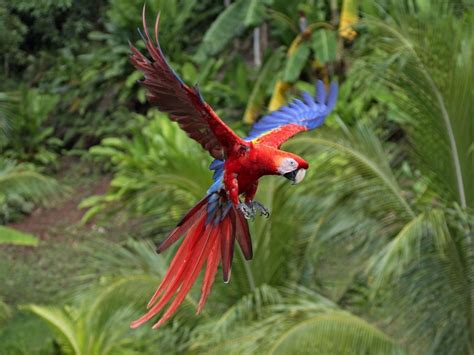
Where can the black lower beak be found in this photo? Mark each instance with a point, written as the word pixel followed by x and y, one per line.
pixel 291 175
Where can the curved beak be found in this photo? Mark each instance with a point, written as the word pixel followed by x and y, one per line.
pixel 296 175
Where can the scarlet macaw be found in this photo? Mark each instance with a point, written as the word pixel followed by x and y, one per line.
pixel 214 223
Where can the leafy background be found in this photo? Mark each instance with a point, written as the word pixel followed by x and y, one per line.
pixel 372 254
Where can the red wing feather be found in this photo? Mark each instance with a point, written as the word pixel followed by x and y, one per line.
pixel 277 136
pixel 227 248
pixel 242 233
pixel 204 243
pixel 182 103
pixel 211 270
pixel 192 271
pixel 179 261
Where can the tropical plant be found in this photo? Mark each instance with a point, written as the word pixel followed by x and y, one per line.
pixel 403 235
pixel 253 300
pixel 96 80
pixel 314 42
pixel 14 30
pixel 432 251
pixel 80 332
pixel 5 311
pixel 301 321
pixel 157 165
pixel 371 254
pixel 6 104
pixel 29 138
pixel 98 320
pixel 22 188
pixel 231 23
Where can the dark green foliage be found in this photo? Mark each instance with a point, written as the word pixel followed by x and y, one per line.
pixel 232 22
pixel 158 167
pixel 30 136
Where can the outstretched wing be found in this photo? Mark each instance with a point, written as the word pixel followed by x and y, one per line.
pixel 182 103
pixel 277 127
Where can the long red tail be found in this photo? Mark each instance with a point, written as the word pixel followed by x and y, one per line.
pixel 209 238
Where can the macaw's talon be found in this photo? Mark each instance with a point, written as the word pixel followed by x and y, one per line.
pixel 246 210
pixel 257 206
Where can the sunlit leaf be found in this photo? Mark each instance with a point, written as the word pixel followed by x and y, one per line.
pixel 324 44
pixel 348 18
pixel 296 62
pixel 335 334
pixel 15 237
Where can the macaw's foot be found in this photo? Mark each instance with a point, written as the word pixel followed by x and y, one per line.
pixel 257 206
pixel 247 211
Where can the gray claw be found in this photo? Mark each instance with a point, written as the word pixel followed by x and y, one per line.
pixel 246 210
pixel 257 206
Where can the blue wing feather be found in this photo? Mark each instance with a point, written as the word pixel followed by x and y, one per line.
pixel 320 92
pixel 309 112
pixel 217 209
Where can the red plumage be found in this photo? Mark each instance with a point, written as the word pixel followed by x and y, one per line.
pixel 183 103
pixel 204 243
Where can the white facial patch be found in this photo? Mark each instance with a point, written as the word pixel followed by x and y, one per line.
pixel 300 175
pixel 287 165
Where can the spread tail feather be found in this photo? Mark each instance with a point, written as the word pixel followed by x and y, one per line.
pixel 206 241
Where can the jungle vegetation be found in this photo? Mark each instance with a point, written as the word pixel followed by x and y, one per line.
pixel 372 254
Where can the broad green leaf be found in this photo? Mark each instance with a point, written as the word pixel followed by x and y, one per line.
pixel 16 237
pixel 324 44
pixel 265 78
pixel 255 13
pixel 296 62
pixel 231 23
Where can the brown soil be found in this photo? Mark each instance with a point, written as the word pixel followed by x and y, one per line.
pixel 65 213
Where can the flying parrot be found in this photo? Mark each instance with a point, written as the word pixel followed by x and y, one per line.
pixel 211 227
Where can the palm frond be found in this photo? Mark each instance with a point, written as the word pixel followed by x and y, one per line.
pixel 97 321
pixel 335 333
pixel 302 317
pixel 406 246
pixel 424 280
pixel 362 163
pixel 425 57
pixel 62 323
pixel 20 184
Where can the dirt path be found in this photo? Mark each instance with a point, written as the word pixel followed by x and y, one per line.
pixel 66 213
pixel 40 274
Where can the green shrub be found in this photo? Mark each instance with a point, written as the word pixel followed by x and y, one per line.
pixel 22 188
pixel 30 136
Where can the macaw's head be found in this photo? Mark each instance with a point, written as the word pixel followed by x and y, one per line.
pixel 292 167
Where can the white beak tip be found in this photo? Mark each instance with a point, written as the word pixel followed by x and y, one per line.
pixel 300 175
